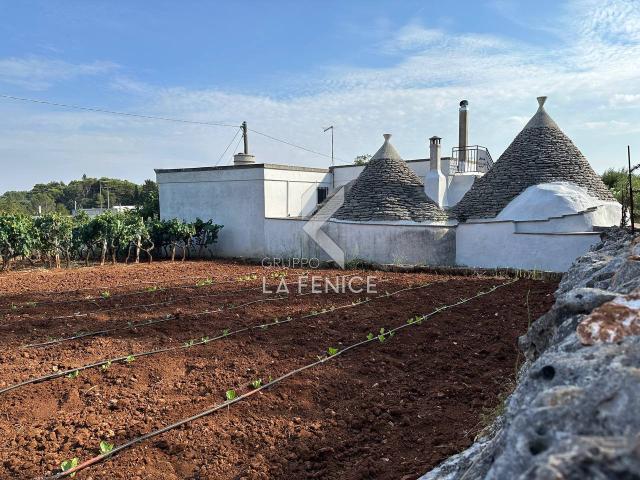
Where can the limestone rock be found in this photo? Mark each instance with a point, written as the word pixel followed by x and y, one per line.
pixel 612 321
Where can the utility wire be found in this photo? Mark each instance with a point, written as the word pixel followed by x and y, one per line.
pixel 225 150
pixel 166 119
pixel 114 112
pixel 237 143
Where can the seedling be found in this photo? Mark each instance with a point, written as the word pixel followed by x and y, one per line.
pixel 256 383
pixel 69 464
pixel 332 351
pixel 417 320
pixel 14 306
pixel 74 374
pixel 152 289
pixel 189 343
pixel 230 394
pixel 106 366
pixel 371 336
pixel 31 304
pixel 130 359
pixel 106 294
pixel 204 283
pixel 225 332
pixel 381 336
pixel 204 339
pixel 105 447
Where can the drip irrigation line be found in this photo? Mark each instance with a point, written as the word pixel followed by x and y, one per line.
pixel 124 294
pixel 153 321
pixel 167 302
pixel 117 285
pixel 228 403
pixel 194 343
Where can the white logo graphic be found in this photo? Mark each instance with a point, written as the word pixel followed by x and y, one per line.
pixel 321 217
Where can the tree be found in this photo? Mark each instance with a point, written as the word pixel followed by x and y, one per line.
pixel 16 237
pixel 618 183
pixel 54 233
pixel 206 233
pixel 362 159
pixel 149 200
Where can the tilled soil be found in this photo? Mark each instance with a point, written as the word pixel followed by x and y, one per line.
pixel 385 410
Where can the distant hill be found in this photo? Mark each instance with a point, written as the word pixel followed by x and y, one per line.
pixel 84 193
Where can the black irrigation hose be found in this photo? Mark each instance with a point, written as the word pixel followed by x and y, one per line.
pixel 320 361
pixel 192 343
pixel 153 321
pixel 119 295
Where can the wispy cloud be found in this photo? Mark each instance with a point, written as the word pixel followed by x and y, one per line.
pixel 38 73
pixel 590 72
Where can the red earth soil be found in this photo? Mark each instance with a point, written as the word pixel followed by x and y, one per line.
pixel 385 410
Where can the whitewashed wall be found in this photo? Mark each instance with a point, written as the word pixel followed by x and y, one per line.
pixel 498 244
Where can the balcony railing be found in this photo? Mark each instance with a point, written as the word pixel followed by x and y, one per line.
pixel 473 158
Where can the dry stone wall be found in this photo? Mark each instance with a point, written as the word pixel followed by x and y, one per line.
pixel 574 412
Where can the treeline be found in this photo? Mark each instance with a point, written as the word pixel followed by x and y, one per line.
pixel 84 193
pixel 55 238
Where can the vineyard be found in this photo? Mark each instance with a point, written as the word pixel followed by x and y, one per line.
pixel 111 236
pixel 189 371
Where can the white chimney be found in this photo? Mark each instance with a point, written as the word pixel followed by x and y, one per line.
pixel 435 183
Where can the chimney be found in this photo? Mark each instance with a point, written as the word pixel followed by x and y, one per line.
pixel 244 158
pixel 463 135
pixel 435 183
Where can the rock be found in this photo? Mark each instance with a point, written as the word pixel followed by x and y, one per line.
pixel 612 321
pixel 573 412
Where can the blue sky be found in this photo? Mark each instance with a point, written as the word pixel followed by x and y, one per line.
pixel 290 68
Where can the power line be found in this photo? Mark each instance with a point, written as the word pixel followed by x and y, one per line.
pixel 166 119
pixel 114 112
pixel 225 150
pixel 237 143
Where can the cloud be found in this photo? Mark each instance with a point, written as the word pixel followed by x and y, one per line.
pixel 590 73
pixel 37 73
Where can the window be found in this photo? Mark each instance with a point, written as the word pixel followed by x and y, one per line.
pixel 323 193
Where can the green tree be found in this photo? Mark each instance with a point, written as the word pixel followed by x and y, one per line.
pixel 362 159
pixel 618 183
pixel 55 237
pixel 17 237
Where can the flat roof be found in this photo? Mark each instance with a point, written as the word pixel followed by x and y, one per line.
pixel 271 166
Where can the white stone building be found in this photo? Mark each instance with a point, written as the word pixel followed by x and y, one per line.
pixel 538 207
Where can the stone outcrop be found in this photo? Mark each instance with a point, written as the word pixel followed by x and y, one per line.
pixel 574 412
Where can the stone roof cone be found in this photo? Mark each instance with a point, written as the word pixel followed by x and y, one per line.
pixel 387 189
pixel 540 153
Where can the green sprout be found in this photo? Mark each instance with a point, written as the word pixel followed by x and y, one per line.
pixel 371 336
pixel 189 343
pixel 106 366
pixel 204 339
pixel 152 289
pixel 381 336
pixel 225 332
pixel 105 294
pixel 105 447
pixel 14 306
pixel 256 383
pixel 69 464
pixel 332 351
pixel 204 283
pixel 74 374
pixel 230 394
pixel 130 359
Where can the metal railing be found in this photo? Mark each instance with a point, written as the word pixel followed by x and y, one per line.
pixel 473 158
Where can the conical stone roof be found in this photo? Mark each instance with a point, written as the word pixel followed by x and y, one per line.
pixel 540 153
pixel 387 189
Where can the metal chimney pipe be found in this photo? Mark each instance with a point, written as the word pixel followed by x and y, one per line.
pixel 434 153
pixel 463 135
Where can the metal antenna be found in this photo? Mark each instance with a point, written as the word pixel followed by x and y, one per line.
pixel 330 128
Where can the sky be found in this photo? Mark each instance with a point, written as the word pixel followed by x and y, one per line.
pixel 290 68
